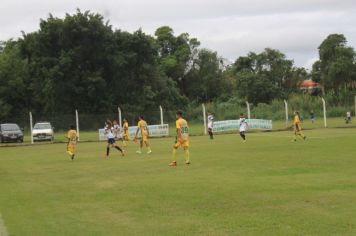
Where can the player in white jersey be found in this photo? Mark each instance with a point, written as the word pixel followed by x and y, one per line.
pixel 116 127
pixel 210 125
pixel 110 133
pixel 243 126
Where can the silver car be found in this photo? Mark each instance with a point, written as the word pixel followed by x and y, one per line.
pixel 43 131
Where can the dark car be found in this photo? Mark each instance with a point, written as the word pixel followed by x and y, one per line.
pixel 10 132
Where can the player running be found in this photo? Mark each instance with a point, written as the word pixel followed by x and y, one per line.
pixel 72 141
pixel 110 132
pixel 243 127
pixel 182 138
pixel 143 128
pixel 210 125
pixel 297 127
pixel 125 132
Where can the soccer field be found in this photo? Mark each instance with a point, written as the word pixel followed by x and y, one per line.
pixel 266 186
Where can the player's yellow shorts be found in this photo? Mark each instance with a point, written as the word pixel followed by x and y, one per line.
pixel 183 143
pixel 297 128
pixel 125 137
pixel 144 137
pixel 71 148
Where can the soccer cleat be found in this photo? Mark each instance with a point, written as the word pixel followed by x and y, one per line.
pixel 149 152
pixel 123 152
pixel 138 152
pixel 187 162
pixel 173 163
pixel 73 157
pixel 305 137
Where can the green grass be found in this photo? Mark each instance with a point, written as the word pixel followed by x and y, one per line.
pixel 267 186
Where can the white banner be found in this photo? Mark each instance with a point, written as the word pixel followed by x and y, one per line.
pixel 234 125
pixel 154 130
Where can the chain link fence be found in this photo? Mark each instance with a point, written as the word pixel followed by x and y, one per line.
pixel 89 124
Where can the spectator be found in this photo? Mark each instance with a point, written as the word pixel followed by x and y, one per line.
pixel 312 116
pixel 348 117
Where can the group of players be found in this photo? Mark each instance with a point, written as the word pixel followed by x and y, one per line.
pixel 112 130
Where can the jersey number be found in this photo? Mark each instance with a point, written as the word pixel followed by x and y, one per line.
pixel 185 130
pixel 74 139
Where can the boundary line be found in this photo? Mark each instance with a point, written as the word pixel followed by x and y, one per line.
pixel 3 231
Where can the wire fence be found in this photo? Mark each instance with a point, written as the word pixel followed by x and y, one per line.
pixel 280 114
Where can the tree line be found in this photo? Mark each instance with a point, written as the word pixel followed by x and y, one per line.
pixel 81 62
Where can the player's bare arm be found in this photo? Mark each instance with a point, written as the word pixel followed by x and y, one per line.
pixel 179 134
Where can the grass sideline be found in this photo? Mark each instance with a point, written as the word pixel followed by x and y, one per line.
pixel 267 186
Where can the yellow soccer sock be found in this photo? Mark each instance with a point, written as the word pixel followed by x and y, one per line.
pixel 70 153
pixel 187 156
pixel 174 155
pixel 124 143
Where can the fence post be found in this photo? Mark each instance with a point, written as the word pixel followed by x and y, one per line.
pixel 286 109
pixel 204 117
pixel 161 111
pixel 120 118
pixel 31 127
pixel 248 110
pixel 77 123
pixel 324 110
pixel 355 106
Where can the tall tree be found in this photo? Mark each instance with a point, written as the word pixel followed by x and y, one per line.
pixel 265 76
pixel 176 54
pixel 68 59
pixel 205 80
pixel 14 87
pixel 336 66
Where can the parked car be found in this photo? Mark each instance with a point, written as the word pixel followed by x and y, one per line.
pixel 42 131
pixel 10 132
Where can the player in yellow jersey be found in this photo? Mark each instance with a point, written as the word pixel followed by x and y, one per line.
pixel 72 141
pixel 143 129
pixel 182 138
pixel 125 132
pixel 297 127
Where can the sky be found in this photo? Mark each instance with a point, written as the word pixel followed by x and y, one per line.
pixel 231 27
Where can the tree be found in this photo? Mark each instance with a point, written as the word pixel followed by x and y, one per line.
pixel 205 80
pixel 316 72
pixel 176 54
pixel 336 66
pixel 68 60
pixel 265 76
pixel 138 75
pixel 14 89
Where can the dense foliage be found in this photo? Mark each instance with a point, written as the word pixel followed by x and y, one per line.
pixel 81 62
